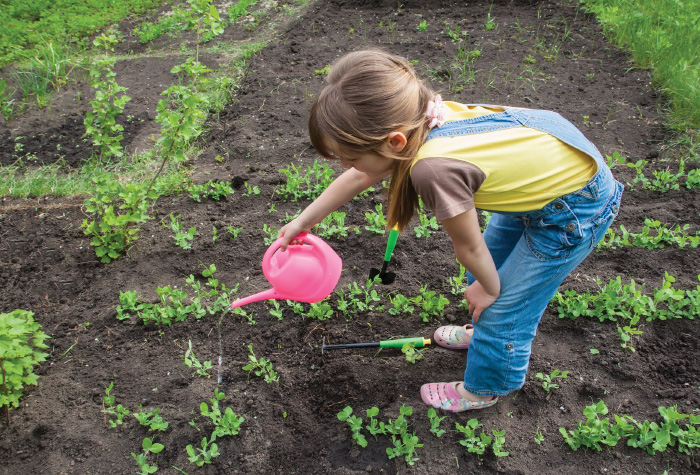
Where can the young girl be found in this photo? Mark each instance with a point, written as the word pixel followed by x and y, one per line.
pixel 550 191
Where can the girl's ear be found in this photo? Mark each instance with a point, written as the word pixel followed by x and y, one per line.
pixel 396 141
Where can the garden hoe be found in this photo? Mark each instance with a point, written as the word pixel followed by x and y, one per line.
pixel 419 341
pixel 387 277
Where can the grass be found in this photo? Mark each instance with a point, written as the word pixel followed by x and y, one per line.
pixel 25 26
pixel 663 35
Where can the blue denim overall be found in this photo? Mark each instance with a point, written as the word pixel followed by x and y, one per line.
pixel 533 251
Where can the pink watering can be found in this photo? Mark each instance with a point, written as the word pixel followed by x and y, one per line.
pixel 306 272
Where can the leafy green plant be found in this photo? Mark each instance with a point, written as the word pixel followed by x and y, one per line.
pixel 149 447
pixel 276 310
pixel 499 440
pixel 191 361
pixel 473 443
pixel 239 9
pixel 355 424
pixel 233 231
pixel 593 432
pixel 110 100
pixel 405 442
pixel 401 305
pixel 251 190
pixel 426 226
pixel 109 409
pixel 21 345
pixel 423 25
pixel 358 299
pixel 653 235
pixel 539 438
pixel 320 311
pixel 261 367
pixel 151 419
pixel 333 226
pixel 7 103
pixel 626 333
pixel 270 234
pixel 435 423
pixel 226 423
pixel 182 238
pixel 216 190
pixel 206 454
pixel 304 183
pixel 129 303
pixel 375 426
pixel 430 304
pixel 412 354
pixel 549 380
pixel 115 208
pixel 376 222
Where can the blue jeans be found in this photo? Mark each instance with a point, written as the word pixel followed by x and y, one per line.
pixel 533 252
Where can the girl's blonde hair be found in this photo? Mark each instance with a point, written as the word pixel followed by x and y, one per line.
pixel 369 94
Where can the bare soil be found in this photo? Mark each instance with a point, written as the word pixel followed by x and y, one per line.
pixel 47 265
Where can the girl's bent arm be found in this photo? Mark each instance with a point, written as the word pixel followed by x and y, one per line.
pixel 472 253
pixel 340 191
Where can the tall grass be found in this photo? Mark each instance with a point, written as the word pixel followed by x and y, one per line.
pixel 663 35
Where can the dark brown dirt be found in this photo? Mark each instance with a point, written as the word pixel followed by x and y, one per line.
pixel 48 267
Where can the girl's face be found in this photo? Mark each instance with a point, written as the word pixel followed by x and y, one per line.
pixel 372 164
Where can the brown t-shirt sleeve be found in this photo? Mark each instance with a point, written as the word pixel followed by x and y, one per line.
pixel 447 185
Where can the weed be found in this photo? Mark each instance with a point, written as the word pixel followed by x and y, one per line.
pixel 548 380
pixel 191 361
pixel 261 367
pixel 21 349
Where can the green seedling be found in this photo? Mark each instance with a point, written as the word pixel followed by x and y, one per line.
pixel 374 427
pixel 499 440
pixel 426 226
pixel 402 305
pixel 109 409
pixel 206 454
pixel 376 223
pixel 276 310
pixel 149 447
pixel 412 354
pixel 430 304
pixel 251 190
pixel 435 423
pixel 323 71
pixel 215 190
pixel 214 234
pixel 405 442
pixel 539 438
pixel 270 234
pixel 626 333
pixel 261 367
pixel 355 424
pixel 319 311
pixel 548 380
pixel 333 226
pixel 191 361
pixel 21 345
pixel 182 239
pixel 474 444
pixel 226 423
pixel 151 419
pixel 422 26
pixel 233 231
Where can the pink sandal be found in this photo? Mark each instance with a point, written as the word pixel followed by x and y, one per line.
pixel 453 337
pixel 445 396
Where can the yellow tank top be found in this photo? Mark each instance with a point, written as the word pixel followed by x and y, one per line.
pixel 524 168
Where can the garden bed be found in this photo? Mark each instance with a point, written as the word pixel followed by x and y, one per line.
pixel 537 54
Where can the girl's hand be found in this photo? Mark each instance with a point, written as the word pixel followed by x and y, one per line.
pixel 478 300
pixel 290 230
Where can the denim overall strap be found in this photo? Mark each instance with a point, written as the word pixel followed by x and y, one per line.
pixel 545 121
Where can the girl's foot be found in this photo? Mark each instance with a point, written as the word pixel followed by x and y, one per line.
pixel 453 397
pixel 454 337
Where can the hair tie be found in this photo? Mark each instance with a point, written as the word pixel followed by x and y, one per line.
pixel 436 112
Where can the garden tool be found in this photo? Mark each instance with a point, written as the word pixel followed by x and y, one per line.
pixel 387 277
pixel 306 272
pixel 398 343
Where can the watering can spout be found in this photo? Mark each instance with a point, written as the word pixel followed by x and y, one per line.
pixel 264 295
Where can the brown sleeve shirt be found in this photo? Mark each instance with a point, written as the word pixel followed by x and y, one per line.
pixel 446 185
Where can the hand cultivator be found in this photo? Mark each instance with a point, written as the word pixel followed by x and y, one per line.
pixel 419 341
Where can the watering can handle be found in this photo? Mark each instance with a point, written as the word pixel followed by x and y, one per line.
pixel 304 237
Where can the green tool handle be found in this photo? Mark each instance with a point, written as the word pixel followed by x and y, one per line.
pixel 418 340
pixel 391 243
